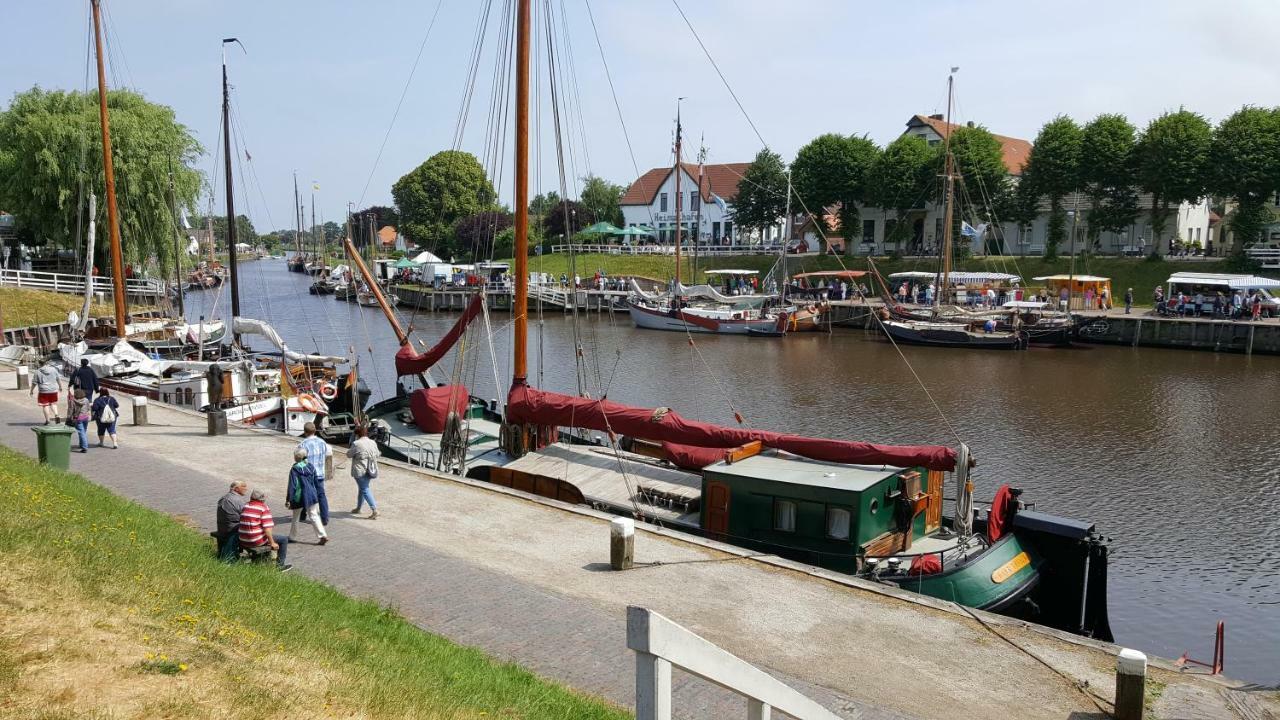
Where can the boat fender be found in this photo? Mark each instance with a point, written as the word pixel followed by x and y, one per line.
pixel 328 390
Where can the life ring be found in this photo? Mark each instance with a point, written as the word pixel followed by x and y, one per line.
pixel 309 403
pixel 328 390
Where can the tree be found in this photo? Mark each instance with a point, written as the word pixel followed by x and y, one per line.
pixel 475 234
pixel 1172 158
pixel 1053 171
pixel 900 179
pixel 50 147
pixel 1107 174
pixel 1244 162
pixel 579 216
pixel 542 203
pixel 762 192
pixel 832 169
pixel 245 232
pixel 601 198
pixel 450 185
pixel 981 173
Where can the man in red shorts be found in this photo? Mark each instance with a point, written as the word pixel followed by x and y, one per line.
pixel 48 382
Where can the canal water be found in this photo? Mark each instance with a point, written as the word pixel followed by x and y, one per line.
pixel 1174 454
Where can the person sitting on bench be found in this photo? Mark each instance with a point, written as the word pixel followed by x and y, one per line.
pixel 229 508
pixel 255 530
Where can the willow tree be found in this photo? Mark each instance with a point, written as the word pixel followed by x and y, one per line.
pixel 51 159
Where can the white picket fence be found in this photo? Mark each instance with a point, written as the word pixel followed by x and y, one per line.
pixel 702 251
pixel 661 645
pixel 74 284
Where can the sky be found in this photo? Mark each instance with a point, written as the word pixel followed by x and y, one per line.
pixel 317 87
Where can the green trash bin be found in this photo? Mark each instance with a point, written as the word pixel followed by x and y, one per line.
pixel 53 445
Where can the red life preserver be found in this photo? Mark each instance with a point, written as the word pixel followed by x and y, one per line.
pixel 309 403
pixel 328 390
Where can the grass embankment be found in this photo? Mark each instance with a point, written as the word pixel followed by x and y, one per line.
pixel 1140 274
pixel 20 307
pixel 108 609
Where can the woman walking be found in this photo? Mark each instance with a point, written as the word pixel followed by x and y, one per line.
pixel 106 410
pixel 302 497
pixel 364 468
pixel 78 417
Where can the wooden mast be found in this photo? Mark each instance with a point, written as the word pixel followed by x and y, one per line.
pixel 520 368
pixel 401 335
pixel 677 172
pixel 947 211
pixel 231 207
pixel 113 223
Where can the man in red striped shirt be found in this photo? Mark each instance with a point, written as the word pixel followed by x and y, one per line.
pixel 255 529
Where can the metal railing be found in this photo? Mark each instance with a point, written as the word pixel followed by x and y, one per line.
pixel 74 284
pixel 661 644
pixel 1269 257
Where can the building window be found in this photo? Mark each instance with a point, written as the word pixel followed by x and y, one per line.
pixel 715 230
pixel 662 202
pixel 937 229
pixel 889 227
pixel 1276 200
pixel 728 230
pixel 837 523
pixel 868 232
pixel 784 515
pixel 694 201
pixel 1027 231
pixel 934 143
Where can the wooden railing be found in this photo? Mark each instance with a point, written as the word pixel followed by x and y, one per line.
pixel 74 284
pixel 661 645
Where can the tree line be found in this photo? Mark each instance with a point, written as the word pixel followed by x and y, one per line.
pixel 1178 157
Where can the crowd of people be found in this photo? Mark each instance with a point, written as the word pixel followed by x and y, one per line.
pixel 1240 305
pixel 86 401
pixel 246 524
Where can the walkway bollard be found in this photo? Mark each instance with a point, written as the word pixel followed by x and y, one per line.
pixel 24 377
pixel 217 422
pixel 139 409
pixel 622 538
pixel 1131 684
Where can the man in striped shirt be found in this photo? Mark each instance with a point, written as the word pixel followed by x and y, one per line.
pixel 255 529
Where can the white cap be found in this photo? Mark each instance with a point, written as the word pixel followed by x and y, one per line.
pixel 1131 662
pixel 622 527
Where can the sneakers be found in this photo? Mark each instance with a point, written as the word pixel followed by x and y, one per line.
pixel 286 568
pixel 373 515
pixel 324 540
pixel 356 511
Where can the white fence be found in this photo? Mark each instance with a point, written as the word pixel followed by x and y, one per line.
pixel 74 284
pixel 1269 257
pixel 702 250
pixel 661 644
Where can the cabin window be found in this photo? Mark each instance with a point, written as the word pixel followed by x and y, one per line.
pixel 784 515
pixel 186 392
pixel 875 505
pixel 837 523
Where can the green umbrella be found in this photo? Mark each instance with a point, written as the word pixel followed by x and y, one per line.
pixel 601 228
pixel 403 263
pixel 636 230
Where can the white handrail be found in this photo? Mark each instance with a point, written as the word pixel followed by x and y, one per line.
pixel 72 283
pixel 660 644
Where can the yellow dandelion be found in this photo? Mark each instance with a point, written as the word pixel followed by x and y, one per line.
pixel 182 667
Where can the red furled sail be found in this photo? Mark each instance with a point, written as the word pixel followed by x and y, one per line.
pixel 530 405
pixel 1003 507
pixel 409 362
pixel 431 406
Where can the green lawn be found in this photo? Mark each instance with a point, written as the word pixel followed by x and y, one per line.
pixel 1139 273
pixel 108 609
pixel 20 307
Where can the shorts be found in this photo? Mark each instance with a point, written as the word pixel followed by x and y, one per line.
pixel 47 398
pixel 105 428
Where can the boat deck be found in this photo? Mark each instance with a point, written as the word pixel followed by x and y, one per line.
pixel 422 448
pixel 620 481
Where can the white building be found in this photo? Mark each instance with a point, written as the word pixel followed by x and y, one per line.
pixel 1190 222
pixel 651 201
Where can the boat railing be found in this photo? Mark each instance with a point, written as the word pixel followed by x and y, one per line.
pixel 661 645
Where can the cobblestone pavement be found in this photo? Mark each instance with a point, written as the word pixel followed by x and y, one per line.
pixel 529 583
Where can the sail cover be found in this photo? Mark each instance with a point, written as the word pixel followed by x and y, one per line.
pixel 409 362
pixel 530 405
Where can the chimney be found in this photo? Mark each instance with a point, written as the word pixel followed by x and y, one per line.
pixel 936 116
pixel 969 124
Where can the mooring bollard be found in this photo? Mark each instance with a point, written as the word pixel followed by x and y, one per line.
pixel 24 377
pixel 622 539
pixel 1131 684
pixel 217 422
pixel 139 409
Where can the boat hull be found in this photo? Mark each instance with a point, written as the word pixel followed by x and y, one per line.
pixel 946 335
pixel 994 580
pixel 685 321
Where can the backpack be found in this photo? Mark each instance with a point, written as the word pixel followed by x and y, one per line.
pixel 108 414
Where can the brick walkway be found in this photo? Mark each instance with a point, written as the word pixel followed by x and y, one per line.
pixel 529 583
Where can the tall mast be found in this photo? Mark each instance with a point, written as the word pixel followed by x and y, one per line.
pixel 677 173
pixel 297 222
pixel 782 252
pixel 697 222
pixel 231 207
pixel 177 245
pixel 946 214
pixel 113 223
pixel 314 238
pixel 520 369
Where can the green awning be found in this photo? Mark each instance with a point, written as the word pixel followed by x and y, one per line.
pixel 601 228
pixel 403 263
pixel 636 230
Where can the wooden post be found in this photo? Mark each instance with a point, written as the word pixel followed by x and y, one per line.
pixel 140 410
pixel 217 422
pixel 24 377
pixel 622 537
pixel 1131 682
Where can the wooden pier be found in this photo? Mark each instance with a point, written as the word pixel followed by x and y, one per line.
pixel 547 298
pixel 1147 329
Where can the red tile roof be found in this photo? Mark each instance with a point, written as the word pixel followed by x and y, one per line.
pixel 1016 150
pixel 721 179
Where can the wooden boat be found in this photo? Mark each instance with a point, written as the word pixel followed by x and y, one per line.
pixel 952 334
